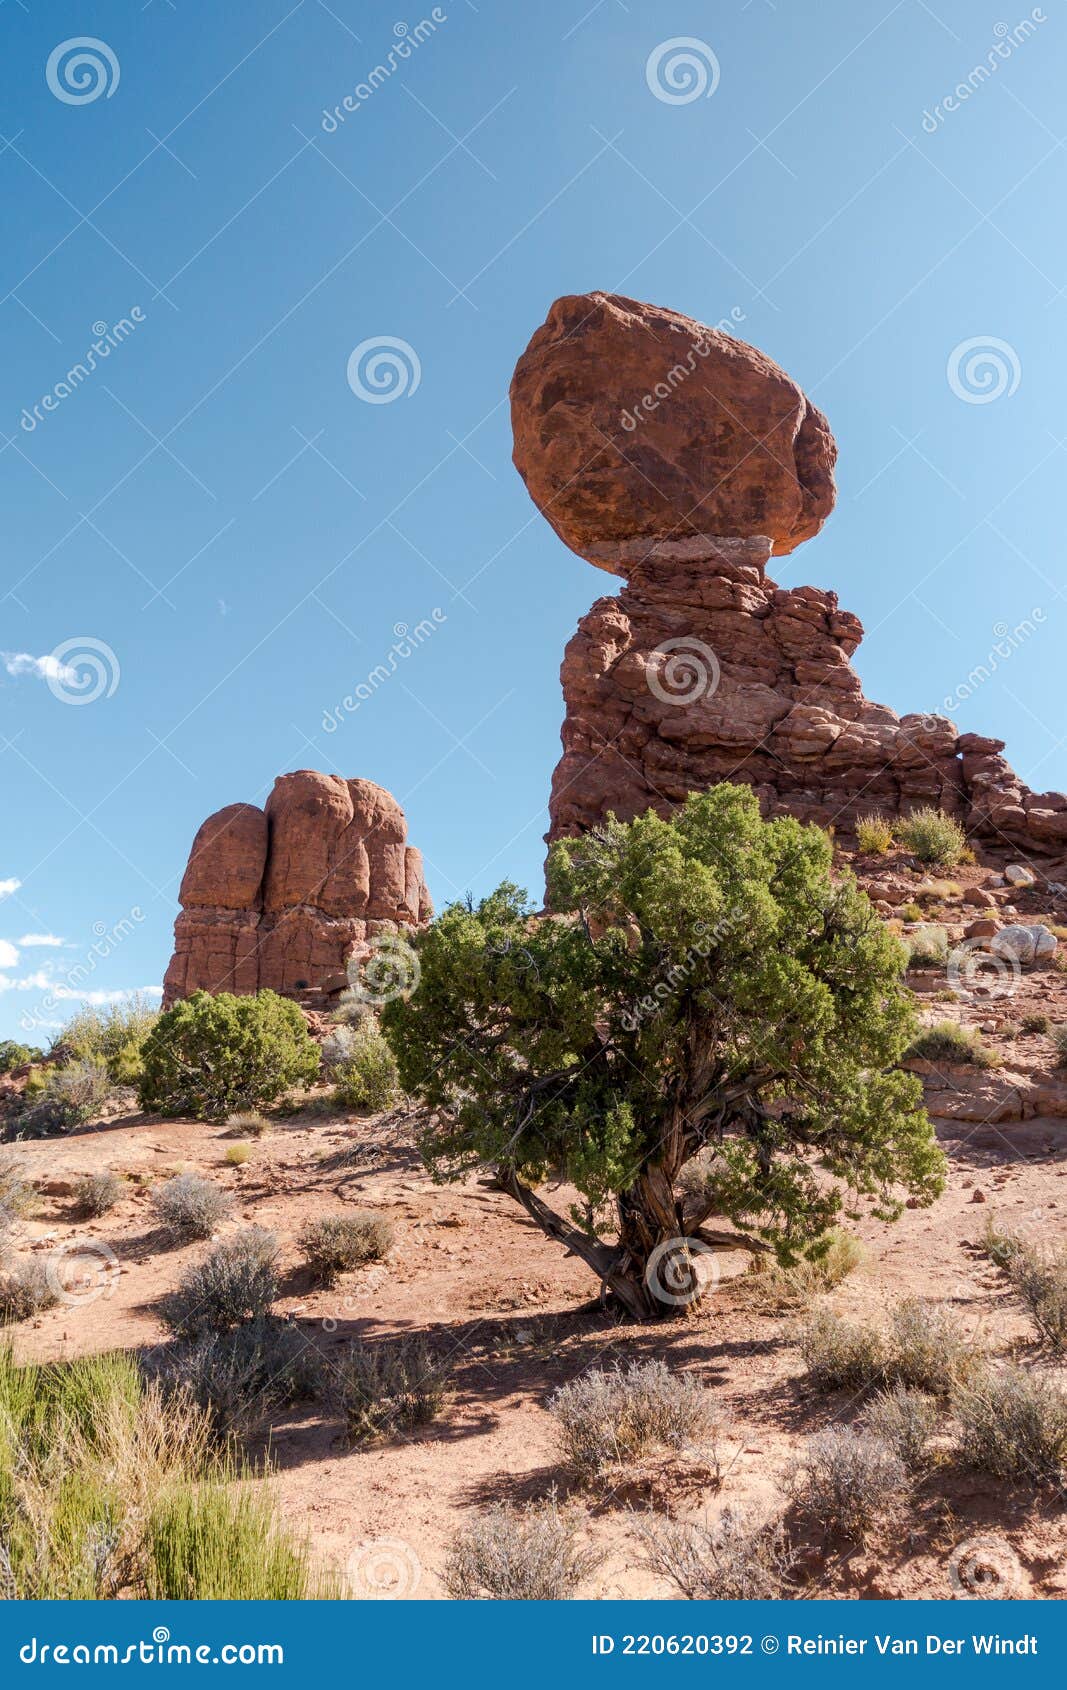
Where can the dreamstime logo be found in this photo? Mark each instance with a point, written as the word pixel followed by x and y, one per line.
pixel 983 369
pixel 384 368
pixel 1005 43
pixel 976 975
pixel 680 1270
pixel 82 1270
pixel 1007 642
pixel 384 1569
pixel 83 669
pixel 678 373
pixel 107 338
pixel 406 40
pixel 682 70
pixel 406 642
pixel 391 971
pixel 690 671
pixel 81 69
pixel 985 1568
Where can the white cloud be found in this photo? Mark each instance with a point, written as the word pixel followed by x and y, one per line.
pixel 9 956
pixel 29 939
pixel 9 886
pixel 39 982
pixel 98 998
pixel 47 668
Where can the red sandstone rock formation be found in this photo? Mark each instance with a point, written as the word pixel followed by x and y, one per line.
pixel 283 897
pixel 682 459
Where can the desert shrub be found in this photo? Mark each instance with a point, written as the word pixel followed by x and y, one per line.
pixel 235 1282
pixel 839 1354
pixel 1035 1024
pixel 904 1419
pixel 1014 1424
pixel 529 1554
pixel 949 1041
pixel 337 1047
pixel 847 1480
pixel 910 911
pixel 740 1557
pixel 388 1387
pixel 16 1193
pixel 563 1045
pixel 874 835
pixel 368 1076
pixel 190 1207
pixel 96 1194
pixel 214 1543
pixel 1059 1041
pixel 335 1243
pixel 246 1124
pixel 787 1286
pixel 15 1055
pixel 928 1349
pixel 938 891
pixel 1040 1278
pixel 927 947
pixel 237 1155
pixel 350 1010
pixel 243 1376
pixel 932 836
pixel 26 1289
pixel 112 1036
pixel 208 1056
pixel 69 1096
pixel 608 1418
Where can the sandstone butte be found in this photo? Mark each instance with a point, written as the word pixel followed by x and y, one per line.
pixel 284 897
pixel 682 459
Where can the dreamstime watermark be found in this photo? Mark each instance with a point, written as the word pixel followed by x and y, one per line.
pixel 678 374
pixel 392 970
pixel 1007 40
pixel 107 338
pixel 382 369
pixel 985 1568
pixel 682 670
pixel 82 1270
pixel 681 1270
pixel 682 70
pixel 681 972
pixel 72 985
pixel 407 41
pixel 1008 642
pixel 84 669
pixel 406 642
pixel 157 1651
pixel 82 69
pixel 978 975
pixel 384 1569
pixel 982 369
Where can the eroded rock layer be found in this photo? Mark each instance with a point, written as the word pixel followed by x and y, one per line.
pixel 682 459
pixel 285 897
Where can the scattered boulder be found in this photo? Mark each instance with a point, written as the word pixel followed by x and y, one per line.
pixel 1023 943
pixel 1017 874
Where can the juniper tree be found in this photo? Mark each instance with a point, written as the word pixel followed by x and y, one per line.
pixel 701 1039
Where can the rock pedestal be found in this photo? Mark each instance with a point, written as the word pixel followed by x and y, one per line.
pixel 285 897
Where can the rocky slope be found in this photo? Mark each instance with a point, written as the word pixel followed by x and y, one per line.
pixel 284 897
pixel 671 454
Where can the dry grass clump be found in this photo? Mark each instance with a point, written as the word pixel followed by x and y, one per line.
pixel 847 1480
pixel 388 1387
pixel 606 1419
pixel 1038 1023
pixel 248 1123
pixel 190 1207
pixel 949 1041
pixel 932 836
pixel 242 1377
pixel 839 1354
pixel 26 1288
pixel 235 1282
pixel 97 1194
pixel 238 1154
pixel 530 1554
pixel 741 1557
pixel 1039 1276
pixel 924 1349
pixel 905 1420
pixel 874 835
pixel 770 1285
pixel 927 945
pixel 336 1243
pixel 1013 1423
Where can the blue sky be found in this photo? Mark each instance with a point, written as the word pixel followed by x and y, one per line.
pixel 216 508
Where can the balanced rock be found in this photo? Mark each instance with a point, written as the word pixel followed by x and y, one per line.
pixel 682 459
pixel 285 897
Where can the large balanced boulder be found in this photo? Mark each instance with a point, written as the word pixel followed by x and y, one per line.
pixel 682 459
pixel 284 898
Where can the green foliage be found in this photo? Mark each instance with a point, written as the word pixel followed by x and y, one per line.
pixel 208 1056
pixel 111 1036
pixel 15 1055
pixel 704 984
pixel 95 1194
pixel 69 1096
pixel 874 835
pixel 949 1041
pixel 366 1075
pixel 1038 1023
pixel 212 1543
pixel 1013 1423
pixel 932 836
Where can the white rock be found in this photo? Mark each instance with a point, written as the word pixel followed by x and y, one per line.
pixel 1045 942
pixel 1017 874
pixel 1014 942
